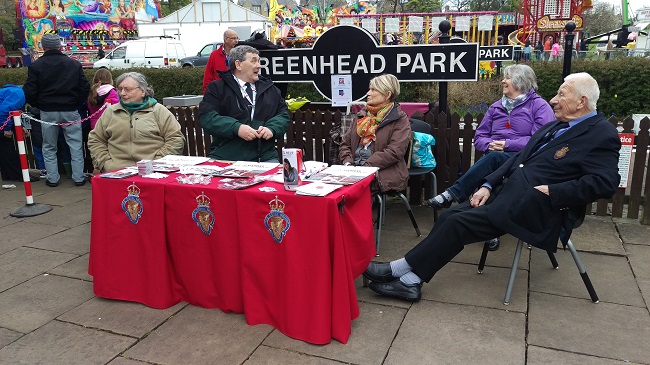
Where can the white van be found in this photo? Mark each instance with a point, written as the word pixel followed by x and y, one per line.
pixel 148 52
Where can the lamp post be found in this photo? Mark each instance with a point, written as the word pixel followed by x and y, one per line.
pixel 444 27
pixel 568 48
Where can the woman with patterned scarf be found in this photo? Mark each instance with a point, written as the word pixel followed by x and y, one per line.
pixel 506 128
pixel 381 136
pixel 137 128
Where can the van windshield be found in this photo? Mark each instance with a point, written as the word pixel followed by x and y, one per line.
pixel 119 52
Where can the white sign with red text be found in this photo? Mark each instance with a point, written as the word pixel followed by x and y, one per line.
pixel 627 142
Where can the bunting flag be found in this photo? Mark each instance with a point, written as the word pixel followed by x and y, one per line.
pixel 275 7
pixel 151 9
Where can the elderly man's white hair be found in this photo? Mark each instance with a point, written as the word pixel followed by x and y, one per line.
pixel 585 85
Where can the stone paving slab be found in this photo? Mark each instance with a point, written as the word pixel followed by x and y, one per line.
pixel 117 316
pixel 633 232
pixel 644 286
pixel 461 284
pixel 65 344
pixel 542 356
pixel 601 236
pixel 611 276
pixel 8 336
pixel 24 232
pixel 70 215
pixel 577 325
pixel 269 356
pixel 33 303
pixel 124 361
pixel 62 195
pixel 372 334
pixel 74 240
pixel 442 333
pixel 25 263
pixel 639 257
pixel 77 268
pixel 200 336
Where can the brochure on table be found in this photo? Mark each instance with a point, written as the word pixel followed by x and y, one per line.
pixel 343 175
pixel 245 169
pixel 177 160
pixel 316 189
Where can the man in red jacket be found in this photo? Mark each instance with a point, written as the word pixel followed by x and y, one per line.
pixel 219 58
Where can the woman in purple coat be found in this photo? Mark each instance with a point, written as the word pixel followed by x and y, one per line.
pixel 505 130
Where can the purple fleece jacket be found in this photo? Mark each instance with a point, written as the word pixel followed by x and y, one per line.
pixel 525 119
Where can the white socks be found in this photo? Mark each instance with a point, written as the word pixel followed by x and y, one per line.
pixel 402 270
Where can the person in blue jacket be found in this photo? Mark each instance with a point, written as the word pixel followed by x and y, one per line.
pixel 11 98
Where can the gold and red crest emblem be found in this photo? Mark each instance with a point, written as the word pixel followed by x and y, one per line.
pixel 202 215
pixel 132 205
pixel 276 222
pixel 561 153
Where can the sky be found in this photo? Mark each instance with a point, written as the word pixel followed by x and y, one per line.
pixel 634 4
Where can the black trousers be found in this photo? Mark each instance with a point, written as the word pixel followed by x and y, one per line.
pixel 9 159
pixel 455 228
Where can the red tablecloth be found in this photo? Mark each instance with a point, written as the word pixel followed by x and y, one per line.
pixel 410 108
pixel 303 285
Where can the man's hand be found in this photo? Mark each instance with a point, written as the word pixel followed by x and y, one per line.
pixel 247 133
pixel 542 188
pixel 8 134
pixel 480 197
pixel 497 146
pixel 264 132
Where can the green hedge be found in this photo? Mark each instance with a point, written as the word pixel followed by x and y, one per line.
pixel 624 84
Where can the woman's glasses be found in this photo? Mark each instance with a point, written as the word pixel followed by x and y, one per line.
pixel 126 89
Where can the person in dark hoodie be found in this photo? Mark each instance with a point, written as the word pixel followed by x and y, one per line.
pixel 57 86
pixel 244 112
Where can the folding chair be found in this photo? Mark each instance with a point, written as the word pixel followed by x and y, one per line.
pixel 551 256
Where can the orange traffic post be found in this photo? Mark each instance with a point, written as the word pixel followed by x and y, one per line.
pixel 30 209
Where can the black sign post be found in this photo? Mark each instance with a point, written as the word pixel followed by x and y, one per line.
pixel 444 27
pixel 568 48
pixel 352 50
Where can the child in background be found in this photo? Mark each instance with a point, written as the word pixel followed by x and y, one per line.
pixel 101 92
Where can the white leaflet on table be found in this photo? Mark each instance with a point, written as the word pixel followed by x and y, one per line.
pixel 316 189
pixel 345 175
pixel 207 170
pixel 177 160
pixel 155 175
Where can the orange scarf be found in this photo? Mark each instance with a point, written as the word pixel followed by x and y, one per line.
pixel 367 125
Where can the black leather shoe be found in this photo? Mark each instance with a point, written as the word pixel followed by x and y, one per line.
pixel 397 289
pixel 379 272
pixel 494 244
pixel 51 184
pixel 80 183
pixel 433 203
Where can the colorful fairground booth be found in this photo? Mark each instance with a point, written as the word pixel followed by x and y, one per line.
pixel 536 20
pixel 84 25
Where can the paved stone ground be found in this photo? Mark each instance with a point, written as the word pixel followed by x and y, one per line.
pixel 49 315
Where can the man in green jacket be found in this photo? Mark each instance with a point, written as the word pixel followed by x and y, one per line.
pixel 244 113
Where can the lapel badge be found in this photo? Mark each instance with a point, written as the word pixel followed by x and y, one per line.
pixel 132 205
pixel 561 153
pixel 202 215
pixel 276 221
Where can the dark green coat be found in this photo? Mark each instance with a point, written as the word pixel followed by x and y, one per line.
pixel 224 109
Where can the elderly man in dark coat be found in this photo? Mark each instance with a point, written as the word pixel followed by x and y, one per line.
pixel 538 195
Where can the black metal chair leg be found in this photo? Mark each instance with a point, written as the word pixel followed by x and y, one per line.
pixel 410 212
pixel 583 273
pixel 481 263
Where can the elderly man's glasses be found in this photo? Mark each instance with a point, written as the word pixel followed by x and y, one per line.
pixel 126 89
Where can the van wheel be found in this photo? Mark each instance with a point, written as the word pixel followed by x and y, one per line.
pixel 187 65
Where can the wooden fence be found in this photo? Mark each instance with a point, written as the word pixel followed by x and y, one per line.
pixel 454 152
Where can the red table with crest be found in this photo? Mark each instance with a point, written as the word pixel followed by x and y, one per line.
pixel 281 259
